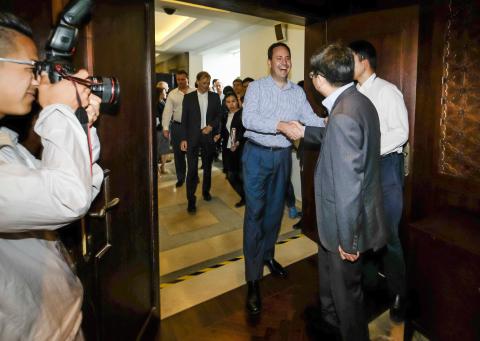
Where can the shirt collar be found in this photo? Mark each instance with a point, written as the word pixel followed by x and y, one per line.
pixel 368 83
pixel 286 87
pixel 330 100
pixel 7 137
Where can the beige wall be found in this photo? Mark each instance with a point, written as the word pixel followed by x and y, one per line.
pixel 253 50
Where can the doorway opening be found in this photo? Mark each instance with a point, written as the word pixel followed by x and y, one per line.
pixel 228 46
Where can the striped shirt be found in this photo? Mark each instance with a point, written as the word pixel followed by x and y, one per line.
pixel 266 105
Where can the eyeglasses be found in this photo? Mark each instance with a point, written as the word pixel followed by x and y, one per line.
pixel 313 74
pixel 17 61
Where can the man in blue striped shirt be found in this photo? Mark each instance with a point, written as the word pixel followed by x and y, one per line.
pixel 271 104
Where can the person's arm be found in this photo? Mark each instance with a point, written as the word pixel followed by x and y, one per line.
pixel 167 112
pixel 184 124
pixel 62 189
pixel 313 136
pixel 348 169
pixel 396 119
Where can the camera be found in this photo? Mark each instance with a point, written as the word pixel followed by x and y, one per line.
pixel 60 48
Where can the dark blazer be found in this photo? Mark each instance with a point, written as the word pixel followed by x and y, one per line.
pixel 191 117
pixel 231 161
pixel 348 194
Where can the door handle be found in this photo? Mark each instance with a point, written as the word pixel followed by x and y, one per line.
pixel 103 211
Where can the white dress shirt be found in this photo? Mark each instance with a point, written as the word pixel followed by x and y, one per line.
pixel 203 103
pixel 40 296
pixel 173 107
pixel 393 115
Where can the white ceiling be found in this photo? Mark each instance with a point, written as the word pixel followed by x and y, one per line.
pixel 193 29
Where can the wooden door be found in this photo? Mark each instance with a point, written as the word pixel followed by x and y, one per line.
pixel 124 244
pixel 394 33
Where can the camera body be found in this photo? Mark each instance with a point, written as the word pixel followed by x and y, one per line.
pixel 60 48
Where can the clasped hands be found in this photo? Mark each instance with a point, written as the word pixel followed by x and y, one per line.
pixel 294 130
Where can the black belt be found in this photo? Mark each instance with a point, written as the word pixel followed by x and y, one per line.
pixel 256 144
pixel 176 122
pixel 390 155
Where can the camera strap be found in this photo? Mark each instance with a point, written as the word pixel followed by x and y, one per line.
pixel 82 117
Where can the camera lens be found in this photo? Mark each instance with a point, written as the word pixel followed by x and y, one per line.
pixel 107 88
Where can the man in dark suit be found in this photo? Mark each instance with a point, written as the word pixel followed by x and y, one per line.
pixel 201 114
pixel 348 194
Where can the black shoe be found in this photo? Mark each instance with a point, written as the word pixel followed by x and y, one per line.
pixel 240 203
pixel 298 225
pixel 275 268
pixel 179 183
pixel 191 208
pixel 398 309
pixel 254 302
pixel 207 196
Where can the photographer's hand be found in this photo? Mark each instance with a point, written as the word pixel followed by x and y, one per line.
pixel 63 92
pixel 93 108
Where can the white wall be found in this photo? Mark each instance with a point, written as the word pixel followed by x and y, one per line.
pixel 254 43
pixel 195 65
pixel 223 66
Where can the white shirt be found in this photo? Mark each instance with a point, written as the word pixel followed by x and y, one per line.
pixel 41 298
pixel 228 125
pixel 329 101
pixel 393 115
pixel 173 107
pixel 203 103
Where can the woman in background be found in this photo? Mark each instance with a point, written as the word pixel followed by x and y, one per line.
pixel 232 145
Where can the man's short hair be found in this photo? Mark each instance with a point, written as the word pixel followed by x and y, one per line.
pixel 274 45
pixel 237 80
pixel 334 62
pixel 182 72
pixel 9 25
pixel 365 50
pixel 248 79
pixel 203 74
pixel 213 81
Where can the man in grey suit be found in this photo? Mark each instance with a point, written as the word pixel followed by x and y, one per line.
pixel 348 194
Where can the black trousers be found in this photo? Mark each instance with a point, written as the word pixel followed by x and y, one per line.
pixel 206 147
pixel 341 295
pixel 179 156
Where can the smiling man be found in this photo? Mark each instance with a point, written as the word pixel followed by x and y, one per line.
pixel 270 104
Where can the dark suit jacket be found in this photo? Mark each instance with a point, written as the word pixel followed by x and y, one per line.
pixel 232 161
pixel 348 195
pixel 191 117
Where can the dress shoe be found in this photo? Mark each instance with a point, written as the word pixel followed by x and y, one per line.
pixel 298 225
pixel 275 268
pixel 240 203
pixel 254 302
pixel 398 309
pixel 191 208
pixel 179 183
pixel 207 196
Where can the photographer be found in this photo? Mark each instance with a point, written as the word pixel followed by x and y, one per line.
pixel 40 296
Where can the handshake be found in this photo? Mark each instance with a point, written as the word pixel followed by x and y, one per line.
pixel 294 130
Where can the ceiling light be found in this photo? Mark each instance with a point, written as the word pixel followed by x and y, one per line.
pixel 196 6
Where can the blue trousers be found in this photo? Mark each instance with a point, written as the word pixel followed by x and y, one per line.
pixel 392 187
pixel 265 175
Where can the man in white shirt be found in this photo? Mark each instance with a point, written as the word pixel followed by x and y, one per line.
pixel 40 296
pixel 173 114
pixel 388 101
